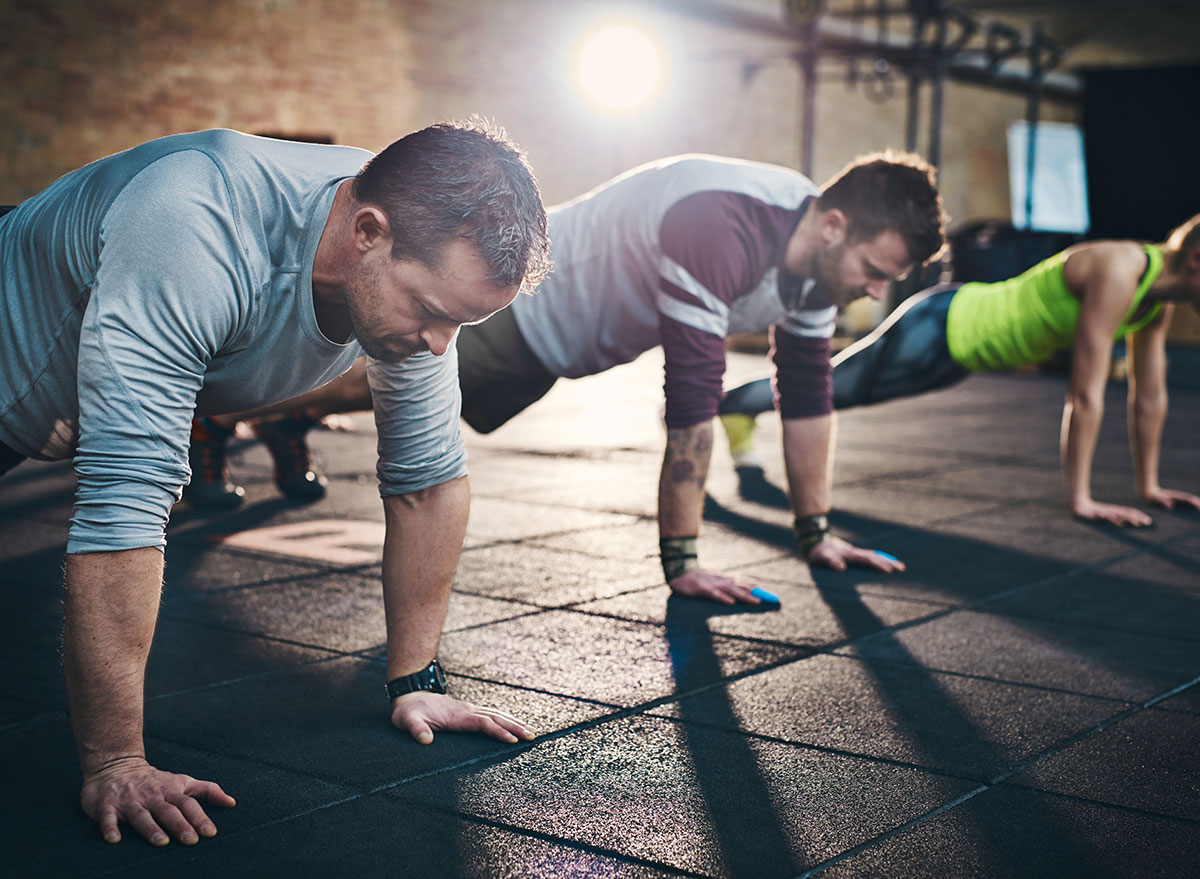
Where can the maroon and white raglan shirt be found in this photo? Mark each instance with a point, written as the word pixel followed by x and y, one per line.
pixel 680 253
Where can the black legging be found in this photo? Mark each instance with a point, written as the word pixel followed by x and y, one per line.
pixel 904 355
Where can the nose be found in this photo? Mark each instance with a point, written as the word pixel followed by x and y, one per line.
pixel 877 289
pixel 437 337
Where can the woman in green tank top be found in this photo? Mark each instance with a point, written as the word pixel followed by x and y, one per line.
pixel 1083 298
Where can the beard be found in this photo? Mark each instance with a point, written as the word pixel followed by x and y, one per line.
pixel 365 304
pixel 830 290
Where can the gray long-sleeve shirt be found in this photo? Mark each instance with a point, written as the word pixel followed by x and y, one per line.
pixel 175 279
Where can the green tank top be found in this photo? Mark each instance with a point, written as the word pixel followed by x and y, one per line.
pixel 1024 320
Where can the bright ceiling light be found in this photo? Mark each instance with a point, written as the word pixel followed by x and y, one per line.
pixel 619 67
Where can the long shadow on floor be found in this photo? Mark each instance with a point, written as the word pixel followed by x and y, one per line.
pixel 764 850
pixel 921 704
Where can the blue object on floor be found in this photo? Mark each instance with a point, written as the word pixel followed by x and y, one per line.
pixel 764 596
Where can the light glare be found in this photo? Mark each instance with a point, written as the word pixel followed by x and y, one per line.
pixel 619 67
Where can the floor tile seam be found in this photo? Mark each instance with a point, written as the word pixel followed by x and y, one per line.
pixel 825 749
pixel 570 551
pixel 533 612
pixel 1097 627
pixel 747 639
pixel 192 596
pixel 262 555
pixel 1000 779
pixel 913 473
pixel 1074 572
pixel 566 606
pixel 267 673
pixel 48 715
pixel 948 672
pixel 1108 804
pixel 560 841
pixel 537 690
pixel 972 605
pixel 622 713
pixel 224 836
pixel 852 591
pixel 1095 729
pixel 335 652
pixel 532 539
pixel 817 869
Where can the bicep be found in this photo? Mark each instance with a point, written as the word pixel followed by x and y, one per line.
pixel 417 404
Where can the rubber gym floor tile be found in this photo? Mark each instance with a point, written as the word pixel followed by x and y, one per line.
pixel 626 485
pixel 610 661
pixel 549 577
pixel 39 772
pixel 728 540
pixel 335 612
pixel 42 490
pixel 1146 761
pixel 805 617
pixel 329 720
pixel 854 465
pixel 1174 565
pixel 1011 833
pixel 198 567
pixel 962 726
pixel 1115 597
pixel 1047 528
pixel 869 508
pixel 374 836
pixel 635 542
pixel 1188 701
pixel 1097 662
pixel 28 544
pixel 495 519
pixel 947 568
pixel 692 798
pixel 989 482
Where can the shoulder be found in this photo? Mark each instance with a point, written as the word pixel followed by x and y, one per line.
pixel 1113 264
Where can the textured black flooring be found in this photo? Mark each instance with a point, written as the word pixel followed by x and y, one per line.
pixel 1021 702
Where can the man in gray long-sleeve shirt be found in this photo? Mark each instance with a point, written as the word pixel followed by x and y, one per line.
pixel 217 272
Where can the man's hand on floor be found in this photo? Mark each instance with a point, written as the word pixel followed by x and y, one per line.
pixel 421 714
pixel 158 805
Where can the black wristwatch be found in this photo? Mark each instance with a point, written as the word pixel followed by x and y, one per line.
pixel 430 678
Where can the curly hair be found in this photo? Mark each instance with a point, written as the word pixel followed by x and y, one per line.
pixel 894 191
pixel 461 179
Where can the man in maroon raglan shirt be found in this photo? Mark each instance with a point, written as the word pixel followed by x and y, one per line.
pixel 680 253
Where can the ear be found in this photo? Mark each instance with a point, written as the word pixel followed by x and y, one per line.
pixel 1193 259
pixel 371 229
pixel 833 227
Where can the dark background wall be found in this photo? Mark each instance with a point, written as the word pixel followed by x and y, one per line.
pixel 1142 142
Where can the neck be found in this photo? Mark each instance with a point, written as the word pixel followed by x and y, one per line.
pixel 330 257
pixel 1168 286
pixel 328 285
pixel 800 256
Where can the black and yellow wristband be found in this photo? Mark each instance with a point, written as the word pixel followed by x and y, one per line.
pixel 810 530
pixel 678 556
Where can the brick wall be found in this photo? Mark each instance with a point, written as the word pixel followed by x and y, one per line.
pixel 96 76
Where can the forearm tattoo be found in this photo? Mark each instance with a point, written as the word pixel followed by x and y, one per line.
pixel 688 451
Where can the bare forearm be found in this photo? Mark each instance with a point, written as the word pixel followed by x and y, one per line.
pixel 808 456
pixel 425 532
pixel 681 482
pixel 111 608
pixel 1077 446
pixel 1146 420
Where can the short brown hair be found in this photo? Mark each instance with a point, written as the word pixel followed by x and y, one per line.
pixel 892 191
pixel 462 179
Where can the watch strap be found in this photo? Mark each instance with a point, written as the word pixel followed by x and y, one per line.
pixel 431 678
